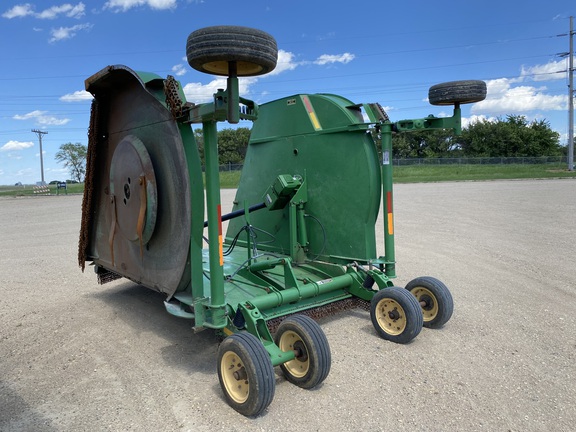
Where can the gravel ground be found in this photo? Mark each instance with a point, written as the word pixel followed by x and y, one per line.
pixel 76 356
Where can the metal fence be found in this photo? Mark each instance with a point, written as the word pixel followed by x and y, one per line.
pixel 483 161
pixel 231 167
pixel 455 161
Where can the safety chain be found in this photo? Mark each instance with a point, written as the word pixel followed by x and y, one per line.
pixel 383 113
pixel 173 100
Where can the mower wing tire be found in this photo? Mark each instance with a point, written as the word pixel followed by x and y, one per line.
pixel 462 92
pixel 211 49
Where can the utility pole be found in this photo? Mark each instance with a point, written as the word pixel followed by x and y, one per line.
pixel 571 98
pixel 40 133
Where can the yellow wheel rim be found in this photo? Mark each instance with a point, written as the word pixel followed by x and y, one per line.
pixel 234 377
pixel 290 341
pixel 427 301
pixel 390 316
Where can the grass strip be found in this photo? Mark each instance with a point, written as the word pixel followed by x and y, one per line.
pixel 402 174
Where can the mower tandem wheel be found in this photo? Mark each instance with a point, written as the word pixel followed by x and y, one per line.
pixel 435 300
pixel 396 315
pixel 301 334
pixel 246 373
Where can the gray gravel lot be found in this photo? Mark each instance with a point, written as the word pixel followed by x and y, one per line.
pixel 76 356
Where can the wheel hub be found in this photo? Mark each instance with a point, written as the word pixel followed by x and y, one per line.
pixel 291 341
pixel 234 377
pixel 390 316
pixel 393 314
pixel 240 374
pixel 427 301
pixel 300 351
pixel 132 179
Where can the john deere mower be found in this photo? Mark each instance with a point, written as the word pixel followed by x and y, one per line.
pixel 301 240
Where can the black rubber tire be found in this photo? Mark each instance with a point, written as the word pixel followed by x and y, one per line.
pixel 462 92
pixel 312 366
pixel 440 305
pixel 210 50
pixel 254 393
pixel 396 315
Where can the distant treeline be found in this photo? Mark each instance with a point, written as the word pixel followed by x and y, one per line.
pixel 512 136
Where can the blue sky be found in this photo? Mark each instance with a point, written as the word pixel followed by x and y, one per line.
pixel 379 51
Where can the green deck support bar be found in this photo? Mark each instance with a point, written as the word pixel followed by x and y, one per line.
pixel 309 290
pixel 224 107
pixel 217 301
pixel 233 94
pixel 387 200
pixel 196 196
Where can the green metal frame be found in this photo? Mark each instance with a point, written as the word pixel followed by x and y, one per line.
pixel 290 283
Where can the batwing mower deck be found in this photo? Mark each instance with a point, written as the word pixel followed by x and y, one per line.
pixel 301 240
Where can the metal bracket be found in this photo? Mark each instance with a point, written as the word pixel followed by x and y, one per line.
pixel 256 325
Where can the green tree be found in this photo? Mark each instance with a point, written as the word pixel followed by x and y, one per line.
pixel 425 143
pixel 199 137
pixel 232 144
pixel 510 137
pixel 73 156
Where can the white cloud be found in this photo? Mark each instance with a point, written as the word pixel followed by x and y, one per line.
pixel 518 96
pixel 503 98
pixel 285 62
pixel 338 58
pixel 179 69
pixel 76 11
pixel 124 5
pixel 467 121
pixel 77 96
pixel 28 116
pixel 57 171
pixel 24 172
pixel 67 32
pixel 329 35
pixel 19 11
pixel 553 70
pixel 42 118
pixel 162 4
pixel 67 9
pixel 16 145
pixel 199 93
pixel 71 11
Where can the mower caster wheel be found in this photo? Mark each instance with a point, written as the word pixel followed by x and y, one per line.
pixel 212 49
pixel 246 374
pixel 461 92
pixel 396 315
pixel 435 300
pixel 301 334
